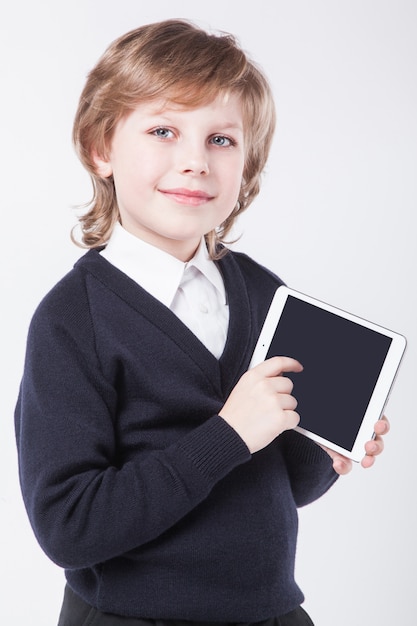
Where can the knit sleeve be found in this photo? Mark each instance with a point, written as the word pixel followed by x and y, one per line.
pixel 309 467
pixel 85 505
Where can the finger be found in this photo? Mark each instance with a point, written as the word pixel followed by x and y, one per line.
pixel 286 402
pixel 341 464
pixel 281 384
pixel 368 461
pixel 292 420
pixel 374 447
pixel 382 426
pixel 277 365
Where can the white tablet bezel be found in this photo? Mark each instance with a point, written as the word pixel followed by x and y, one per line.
pixel 385 379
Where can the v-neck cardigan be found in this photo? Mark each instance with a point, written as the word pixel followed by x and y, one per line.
pixel 132 482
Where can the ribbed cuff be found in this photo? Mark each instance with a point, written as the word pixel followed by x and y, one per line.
pixel 215 448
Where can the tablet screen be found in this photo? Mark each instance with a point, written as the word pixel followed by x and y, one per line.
pixel 342 361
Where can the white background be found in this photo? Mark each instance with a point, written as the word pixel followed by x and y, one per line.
pixel 335 219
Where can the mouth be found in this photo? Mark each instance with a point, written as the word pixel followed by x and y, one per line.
pixel 189 197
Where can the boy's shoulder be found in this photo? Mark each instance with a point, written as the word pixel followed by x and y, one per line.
pixel 70 292
pixel 252 270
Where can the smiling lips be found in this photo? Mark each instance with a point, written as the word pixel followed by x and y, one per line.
pixel 187 196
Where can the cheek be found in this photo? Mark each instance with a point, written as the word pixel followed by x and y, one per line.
pixel 235 180
pixel 232 171
pixel 131 178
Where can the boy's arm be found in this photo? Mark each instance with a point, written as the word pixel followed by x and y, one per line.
pixel 86 505
pixel 314 468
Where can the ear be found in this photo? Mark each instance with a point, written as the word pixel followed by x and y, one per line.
pixel 102 165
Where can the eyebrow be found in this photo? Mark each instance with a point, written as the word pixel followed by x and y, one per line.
pixel 163 115
pixel 232 126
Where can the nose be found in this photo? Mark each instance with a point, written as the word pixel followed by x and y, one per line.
pixel 193 160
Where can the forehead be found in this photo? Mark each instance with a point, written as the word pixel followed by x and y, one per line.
pixel 225 109
pixel 222 101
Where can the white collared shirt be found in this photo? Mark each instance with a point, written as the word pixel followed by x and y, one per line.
pixel 194 291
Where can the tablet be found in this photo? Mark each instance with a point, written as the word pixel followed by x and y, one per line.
pixel 349 363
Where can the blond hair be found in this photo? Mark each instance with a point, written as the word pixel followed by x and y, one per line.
pixel 179 62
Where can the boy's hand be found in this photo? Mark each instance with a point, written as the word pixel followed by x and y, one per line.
pixel 342 465
pixel 261 406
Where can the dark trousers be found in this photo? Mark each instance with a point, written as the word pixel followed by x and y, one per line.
pixel 76 612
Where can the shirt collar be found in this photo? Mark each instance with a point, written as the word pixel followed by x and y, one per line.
pixel 202 262
pixel 155 270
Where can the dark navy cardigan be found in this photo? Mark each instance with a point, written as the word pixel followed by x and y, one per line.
pixel 132 482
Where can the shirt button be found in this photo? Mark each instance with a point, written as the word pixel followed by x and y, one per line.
pixel 203 308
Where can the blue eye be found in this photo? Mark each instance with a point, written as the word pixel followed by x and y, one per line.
pixel 163 133
pixel 222 141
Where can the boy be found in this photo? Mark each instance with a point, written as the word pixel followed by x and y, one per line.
pixel 155 469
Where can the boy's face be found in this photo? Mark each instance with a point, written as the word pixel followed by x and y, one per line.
pixel 177 172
